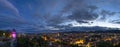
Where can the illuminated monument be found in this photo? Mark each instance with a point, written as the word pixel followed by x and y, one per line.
pixel 13 40
pixel 13 34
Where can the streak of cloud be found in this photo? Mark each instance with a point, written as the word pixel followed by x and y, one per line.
pixel 7 4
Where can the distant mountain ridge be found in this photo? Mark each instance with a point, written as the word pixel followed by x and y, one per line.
pixel 94 28
pixel 84 29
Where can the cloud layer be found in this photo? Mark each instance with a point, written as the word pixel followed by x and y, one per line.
pixel 39 15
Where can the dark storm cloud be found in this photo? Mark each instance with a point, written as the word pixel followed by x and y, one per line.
pixel 80 21
pixel 53 20
pixel 105 12
pixel 81 11
pixel 116 21
pixel 74 4
pixel 83 15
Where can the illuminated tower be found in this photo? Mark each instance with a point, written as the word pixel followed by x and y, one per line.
pixel 13 34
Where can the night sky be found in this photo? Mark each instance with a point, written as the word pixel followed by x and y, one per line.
pixel 38 15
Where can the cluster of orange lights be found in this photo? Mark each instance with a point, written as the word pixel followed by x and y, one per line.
pixel 45 38
pixel 79 42
pixel 109 39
